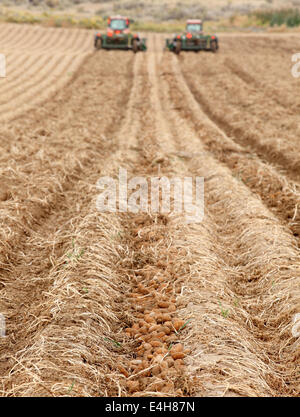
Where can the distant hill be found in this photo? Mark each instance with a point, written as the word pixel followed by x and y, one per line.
pixel 157 10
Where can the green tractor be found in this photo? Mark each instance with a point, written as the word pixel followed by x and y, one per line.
pixel 119 36
pixel 193 39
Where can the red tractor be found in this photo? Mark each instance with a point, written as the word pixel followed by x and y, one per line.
pixel 119 36
pixel 193 39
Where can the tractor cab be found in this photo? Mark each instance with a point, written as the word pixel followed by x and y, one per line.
pixel 194 26
pixel 118 25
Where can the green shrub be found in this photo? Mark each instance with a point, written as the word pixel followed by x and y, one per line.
pixel 288 17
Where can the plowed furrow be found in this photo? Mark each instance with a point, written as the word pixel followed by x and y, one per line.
pixel 43 237
pixel 5 31
pixel 274 150
pixel 218 184
pixel 17 36
pixel 279 194
pixel 38 40
pixel 30 84
pixel 143 302
pixel 34 65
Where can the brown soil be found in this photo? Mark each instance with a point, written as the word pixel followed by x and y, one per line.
pixel 103 304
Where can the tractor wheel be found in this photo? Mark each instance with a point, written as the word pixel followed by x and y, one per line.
pixel 98 43
pixel 213 46
pixel 178 48
pixel 135 46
